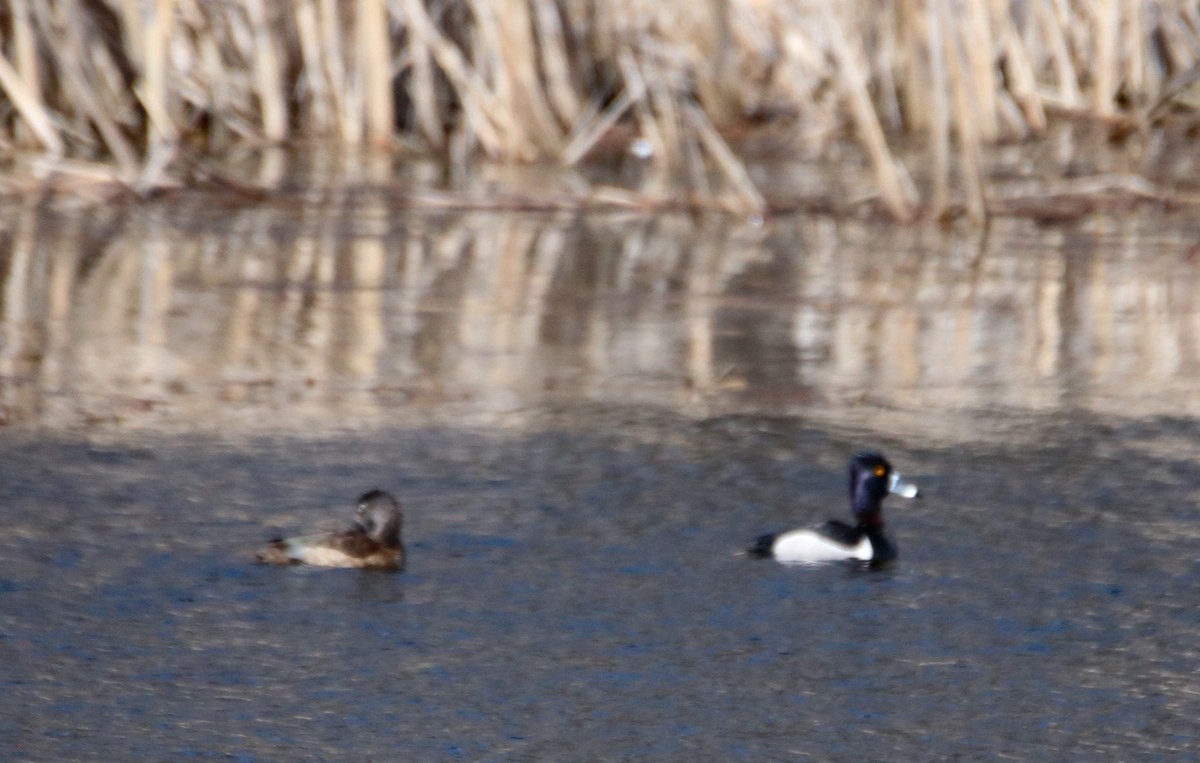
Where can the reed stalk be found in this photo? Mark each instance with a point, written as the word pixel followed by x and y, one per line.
pixel 965 115
pixel 131 81
pixel 153 88
pixel 1107 20
pixel 981 71
pixel 31 110
pixel 84 91
pixel 939 111
pixel 422 85
pixel 25 52
pixel 318 102
pixel 375 69
pixel 267 73
pixel 896 195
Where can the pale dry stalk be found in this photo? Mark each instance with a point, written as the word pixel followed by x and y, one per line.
pixel 970 163
pixel 897 194
pixel 375 64
pixel 267 74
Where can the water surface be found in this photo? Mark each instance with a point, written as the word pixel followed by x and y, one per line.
pixel 586 418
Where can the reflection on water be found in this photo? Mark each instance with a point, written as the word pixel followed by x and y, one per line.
pixel 344 307
pixel 572 585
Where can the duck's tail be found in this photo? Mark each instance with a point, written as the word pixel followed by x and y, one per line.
pixel 763 547
pixel 276 552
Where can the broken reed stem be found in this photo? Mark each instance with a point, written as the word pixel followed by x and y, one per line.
pixel 1060 54
pixel 422 92
pixel 1023 83
pixel 27 104
pixel 75 81
pixel 550 79
pixel 25 48
pixel 481 106
pixel 748 200
pixel 896 194
pixel 589 129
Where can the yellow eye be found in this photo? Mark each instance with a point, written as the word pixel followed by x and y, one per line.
pixel 880 471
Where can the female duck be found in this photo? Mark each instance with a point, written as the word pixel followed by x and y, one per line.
pixel 373 543
pixel 871 479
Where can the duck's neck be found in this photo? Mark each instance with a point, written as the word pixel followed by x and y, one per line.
pixel 390 537
pixel 882 548
pixel 869 518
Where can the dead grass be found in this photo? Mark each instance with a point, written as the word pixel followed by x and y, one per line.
pixel 136 84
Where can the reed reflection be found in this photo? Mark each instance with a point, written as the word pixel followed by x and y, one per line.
pixel 341 308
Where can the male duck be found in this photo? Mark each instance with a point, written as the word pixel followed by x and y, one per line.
pixel 871 479
pixel 373 543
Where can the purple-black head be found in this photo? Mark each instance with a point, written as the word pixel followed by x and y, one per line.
pixel 871 479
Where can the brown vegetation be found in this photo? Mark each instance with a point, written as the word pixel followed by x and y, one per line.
pixel 138 84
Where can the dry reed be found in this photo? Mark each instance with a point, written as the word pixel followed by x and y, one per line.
pixel 140 82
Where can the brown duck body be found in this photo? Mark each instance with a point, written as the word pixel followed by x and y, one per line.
pixel 373 543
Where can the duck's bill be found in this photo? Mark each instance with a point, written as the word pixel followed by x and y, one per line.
pixel 901 488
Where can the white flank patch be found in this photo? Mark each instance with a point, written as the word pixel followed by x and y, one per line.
pixel 323 556
pixel 808 547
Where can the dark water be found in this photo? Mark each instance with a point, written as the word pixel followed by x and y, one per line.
pixel 585 421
